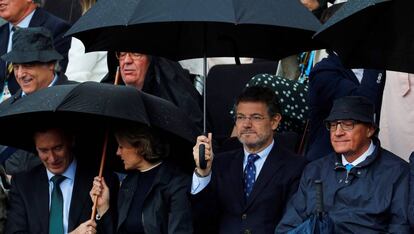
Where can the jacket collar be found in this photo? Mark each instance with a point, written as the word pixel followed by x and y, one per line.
pixel 356 170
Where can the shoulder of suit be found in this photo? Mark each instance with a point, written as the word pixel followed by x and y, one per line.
pixel 31 175
pixel 229 155
pixel 287 156
pixel 49 18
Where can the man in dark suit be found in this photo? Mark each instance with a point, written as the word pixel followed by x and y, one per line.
pixel 23 14
pixel 246 190
pixel 34 60
pixel 33 199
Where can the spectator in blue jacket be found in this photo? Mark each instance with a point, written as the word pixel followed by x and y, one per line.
pixel 330 80
pixel 365 186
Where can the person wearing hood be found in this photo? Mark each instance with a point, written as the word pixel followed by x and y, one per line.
pixel 162 78
pixel 365 187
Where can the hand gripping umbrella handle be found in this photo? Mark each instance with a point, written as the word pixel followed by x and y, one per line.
pixel 319 198
pixel 202 156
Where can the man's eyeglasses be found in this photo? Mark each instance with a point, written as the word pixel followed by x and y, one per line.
pixel 346 125
pixel 253 118
pixel 132 55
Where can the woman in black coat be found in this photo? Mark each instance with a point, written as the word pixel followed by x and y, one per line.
pixel 153 197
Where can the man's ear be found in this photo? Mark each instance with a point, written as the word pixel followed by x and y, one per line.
pixel 371 131
pixel 276 121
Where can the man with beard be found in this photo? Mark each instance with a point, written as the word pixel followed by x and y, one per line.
pixel 246 190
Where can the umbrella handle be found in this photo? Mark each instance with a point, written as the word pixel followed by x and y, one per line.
pixel 319 197
pixel 202 157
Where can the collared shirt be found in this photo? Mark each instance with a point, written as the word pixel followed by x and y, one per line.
pixel 67 187
pixel 50 85
pixel 361 158
pixel 23 24
pixel 359 73
pixel 199 183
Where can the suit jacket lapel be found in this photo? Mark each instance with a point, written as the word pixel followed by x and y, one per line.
pixel 38 18
pixel 41 193
pixel 236 172
pixel 80 196
pixel 126 194
pixel 270 167
pixel 61 79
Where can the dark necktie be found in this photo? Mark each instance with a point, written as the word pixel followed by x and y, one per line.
pixel 250 174
pixel 56 206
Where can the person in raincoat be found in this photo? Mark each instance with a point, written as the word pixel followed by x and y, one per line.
pixel 365 186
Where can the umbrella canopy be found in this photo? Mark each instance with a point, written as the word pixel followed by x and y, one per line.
pixel 372 34
pixel 90 109
pixel 71 106
pixel 182 29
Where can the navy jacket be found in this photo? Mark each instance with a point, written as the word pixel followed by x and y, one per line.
pixel 41 18
pixel 328 81
pixel 222 204
pixel 372 198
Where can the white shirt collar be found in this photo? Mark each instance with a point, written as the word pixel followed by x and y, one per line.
pixel 361 158
pixel 262 154
pixel 25 22
pixel 50 85
pixel 69 173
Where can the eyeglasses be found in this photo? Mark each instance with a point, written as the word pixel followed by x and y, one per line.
pixel 132 55
pixel 253 118
pixel 346 125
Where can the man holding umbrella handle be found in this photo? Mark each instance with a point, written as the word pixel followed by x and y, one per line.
pixel 246 189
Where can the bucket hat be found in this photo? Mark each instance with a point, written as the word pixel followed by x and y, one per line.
pixel 34 44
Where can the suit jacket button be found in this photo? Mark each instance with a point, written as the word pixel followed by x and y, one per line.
pixel 247 231
pixel 244 216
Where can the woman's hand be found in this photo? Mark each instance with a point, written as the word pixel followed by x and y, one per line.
pixel 100 190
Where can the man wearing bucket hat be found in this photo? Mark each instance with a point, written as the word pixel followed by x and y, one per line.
pixel 365 187
pixel 23 14
pixel 34 60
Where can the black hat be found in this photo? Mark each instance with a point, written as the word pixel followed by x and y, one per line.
pixel 33 44
pixel 353 107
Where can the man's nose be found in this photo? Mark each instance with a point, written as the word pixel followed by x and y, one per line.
pixel 247 123
pixel 18 72
pixel 128 58
pixel 338 130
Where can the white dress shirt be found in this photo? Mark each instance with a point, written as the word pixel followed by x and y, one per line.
pixel 361 158
pixel 66 186
pixel 23 24
pixel 199 183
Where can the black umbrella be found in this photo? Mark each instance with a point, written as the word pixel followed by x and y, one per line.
pixel 319 222
pixel 182 29
pixel 84 105
pixel 90 109
pixel 372 34
pixel 180 131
